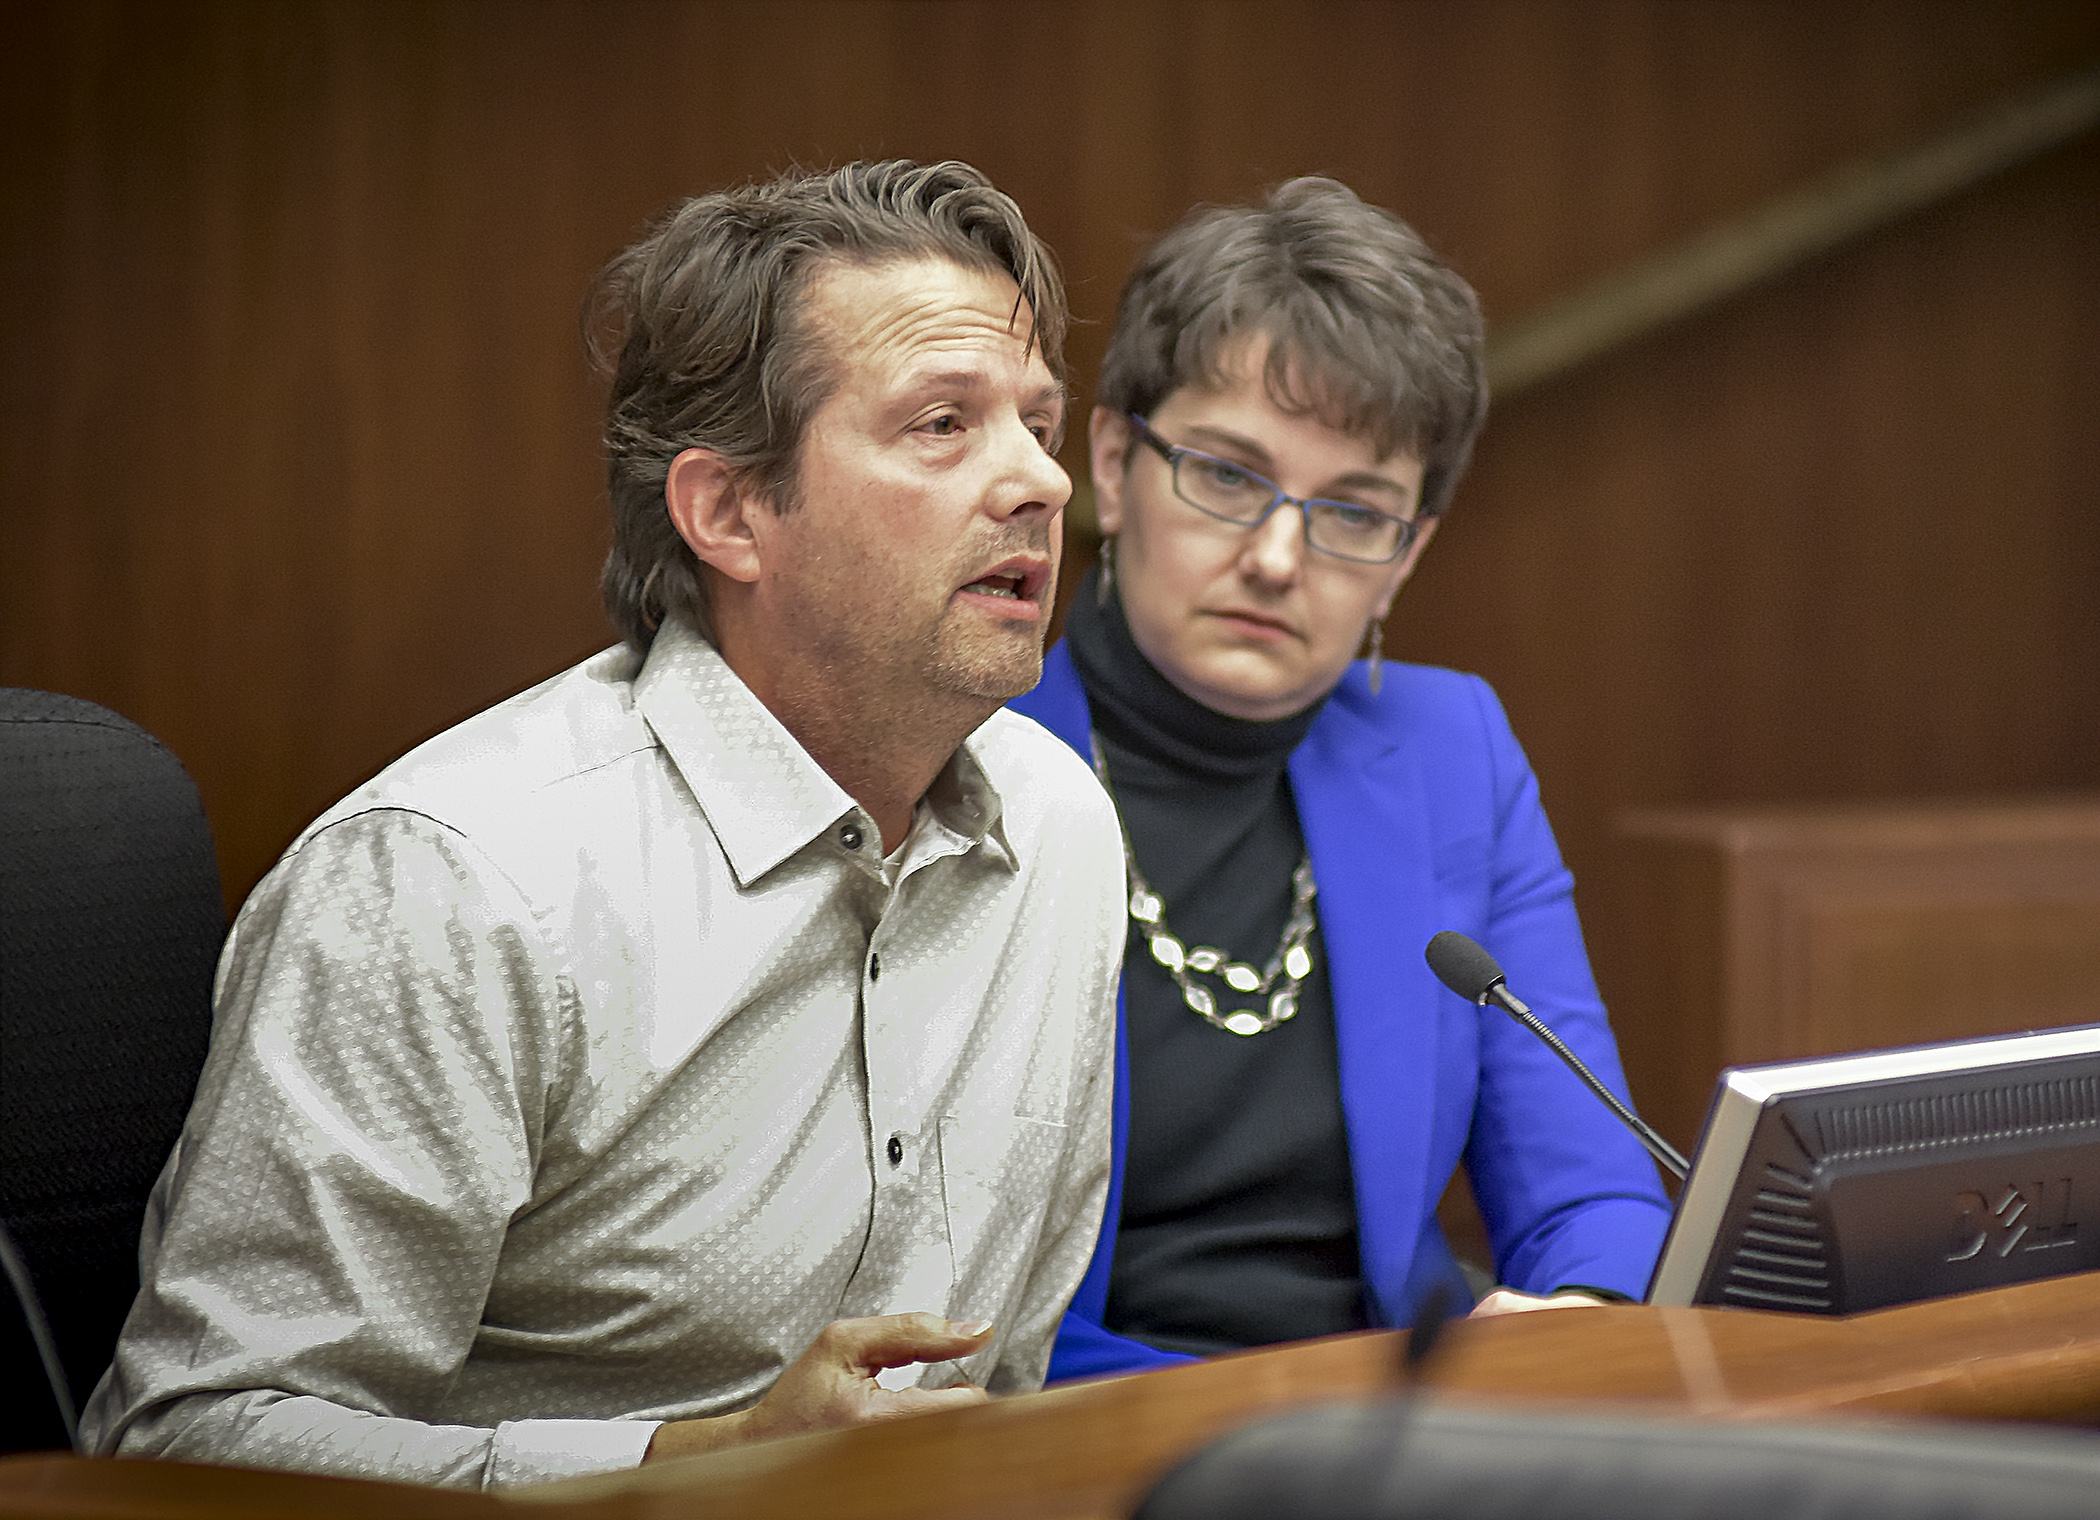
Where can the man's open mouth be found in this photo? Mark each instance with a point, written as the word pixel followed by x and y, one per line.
pixel 1021 578
pixel 999 585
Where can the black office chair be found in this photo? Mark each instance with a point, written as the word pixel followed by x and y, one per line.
pixel 110 922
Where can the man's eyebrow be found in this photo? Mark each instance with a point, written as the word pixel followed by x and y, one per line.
pixel 938 379
pixel 972 378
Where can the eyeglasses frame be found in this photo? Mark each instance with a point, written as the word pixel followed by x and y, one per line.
pixel 1174 453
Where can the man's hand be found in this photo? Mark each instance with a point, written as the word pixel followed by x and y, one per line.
pixel 1510 1301
pixel 833 1384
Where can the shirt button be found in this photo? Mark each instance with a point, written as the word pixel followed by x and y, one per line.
pixel 875 968
pixel 849 836
pixel 896 1151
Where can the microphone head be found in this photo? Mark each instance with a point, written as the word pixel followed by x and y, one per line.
pixel 1462 965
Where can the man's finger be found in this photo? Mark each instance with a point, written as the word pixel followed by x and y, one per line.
pixel 894 1340
pixel 904 1401
pixel 1509 1301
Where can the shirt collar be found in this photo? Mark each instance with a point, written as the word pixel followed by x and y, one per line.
pixel 968 805
pixel 761 792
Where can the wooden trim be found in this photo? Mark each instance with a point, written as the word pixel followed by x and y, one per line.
pixel 1785 232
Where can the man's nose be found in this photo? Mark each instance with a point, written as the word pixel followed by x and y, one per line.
pixel 1036 479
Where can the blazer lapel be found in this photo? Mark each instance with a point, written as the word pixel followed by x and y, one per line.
pixel 1058 701
pixel 1362 806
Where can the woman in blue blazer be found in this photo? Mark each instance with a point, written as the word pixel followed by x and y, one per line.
pixel 1290 394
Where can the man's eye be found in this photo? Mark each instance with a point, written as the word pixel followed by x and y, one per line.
pixel 945 425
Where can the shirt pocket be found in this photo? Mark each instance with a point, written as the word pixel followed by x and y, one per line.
pixel 998 1172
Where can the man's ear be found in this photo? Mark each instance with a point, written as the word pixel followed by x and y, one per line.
pixel 712 511
pixel 1108 453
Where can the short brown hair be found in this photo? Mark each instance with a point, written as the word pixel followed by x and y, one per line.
pixel 699 325
pixel 1367 328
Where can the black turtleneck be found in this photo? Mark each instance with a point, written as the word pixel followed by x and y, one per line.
pixel 1239 1218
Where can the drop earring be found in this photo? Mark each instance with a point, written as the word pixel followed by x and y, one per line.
pixel 1105 581
pixel 1374 653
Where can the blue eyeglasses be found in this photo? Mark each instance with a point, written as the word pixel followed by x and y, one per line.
pixel 1235 494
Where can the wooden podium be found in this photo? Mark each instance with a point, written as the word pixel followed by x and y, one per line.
pixel 1770 933
pixel 1088 1451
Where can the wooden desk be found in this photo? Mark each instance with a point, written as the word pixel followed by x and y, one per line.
pixel 1087 1451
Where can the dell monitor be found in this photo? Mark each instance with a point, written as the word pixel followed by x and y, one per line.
pixel 1853 1182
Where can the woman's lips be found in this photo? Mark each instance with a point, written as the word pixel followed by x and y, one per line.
pixel 1259 624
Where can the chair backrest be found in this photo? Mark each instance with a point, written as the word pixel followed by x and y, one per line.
pixel 110 923
pixel 1427 1460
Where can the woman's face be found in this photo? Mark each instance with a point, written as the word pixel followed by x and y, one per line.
pixel 1251 622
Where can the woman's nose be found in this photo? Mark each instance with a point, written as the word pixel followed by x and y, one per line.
pixel 1275 549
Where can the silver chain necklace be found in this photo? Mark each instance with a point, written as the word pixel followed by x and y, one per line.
pixel 1292 961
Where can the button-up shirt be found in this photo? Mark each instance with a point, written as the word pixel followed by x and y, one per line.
pixel 575 1072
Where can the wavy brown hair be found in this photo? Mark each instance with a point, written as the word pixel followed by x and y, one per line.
pixel 699 325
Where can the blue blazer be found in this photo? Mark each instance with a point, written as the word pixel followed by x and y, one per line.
pixel 1421 813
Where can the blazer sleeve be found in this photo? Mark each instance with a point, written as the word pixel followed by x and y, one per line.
pixel 1569 1197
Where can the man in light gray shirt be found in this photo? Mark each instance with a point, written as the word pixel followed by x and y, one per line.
pixel 714 1042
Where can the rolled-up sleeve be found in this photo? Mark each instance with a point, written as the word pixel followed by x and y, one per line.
pixel 319 1249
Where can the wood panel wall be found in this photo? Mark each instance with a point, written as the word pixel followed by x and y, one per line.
pixel 297 442
pixel 1786 930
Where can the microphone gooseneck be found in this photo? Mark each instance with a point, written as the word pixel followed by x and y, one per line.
pixel 1472 973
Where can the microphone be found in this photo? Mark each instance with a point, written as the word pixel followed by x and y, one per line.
pixel 1472 973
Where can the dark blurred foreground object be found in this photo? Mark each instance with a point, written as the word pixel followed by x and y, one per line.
pixel 110 923
pixel 1428 1461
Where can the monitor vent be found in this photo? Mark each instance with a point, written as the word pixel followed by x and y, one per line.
pixel 1816 1300
pixel 1781 1260
pixel 1864 1128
